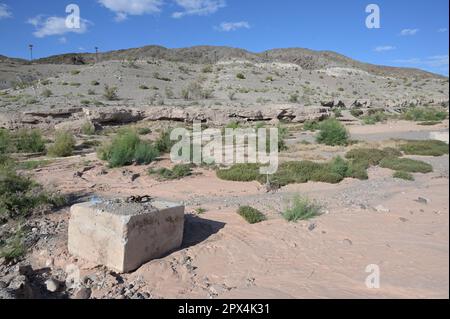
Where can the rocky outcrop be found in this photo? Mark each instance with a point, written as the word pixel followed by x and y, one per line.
pixel 114 116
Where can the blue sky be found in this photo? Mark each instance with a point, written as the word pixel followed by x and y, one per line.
pixel 412 33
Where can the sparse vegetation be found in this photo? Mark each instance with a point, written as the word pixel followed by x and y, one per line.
pixel 333 133
pixel 251 215
pixel 64 145
pixel 425 148
pixel 110 93
pixel 406 165
pixel 240 76
pixel 29 141
pixel 311 126
pixel 403 175
pixel 88 128
pixel 178 172
pixel 47 93
pixel 301 208
pixel 127 148
pixel 422 114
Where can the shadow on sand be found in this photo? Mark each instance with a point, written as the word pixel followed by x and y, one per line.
pixel 197 230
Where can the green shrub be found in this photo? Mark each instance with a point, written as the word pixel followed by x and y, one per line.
pixel 95 83
pixel 163 143
pixel 301 208
pixel 13 246
pixel 311 126
pixel 406 165
pixel 47 93
pixel 333 133
pixel 88 128
pixel 30 141
pixel 425 148
pixel 207 69
pixel 144 131
pixel 30 165
pixel 64 145
pixel 374 118
pixel 5 141
pixel 126 148
pixel 240 76
pixel 110 93
pixel 371 156
pixel 75 72
pixel 145 153
pixel 293 98
pixel 20 196
pixel 251 215
pixel 240 173
pixel 429 123
pixel 403 175
pixel 143 87
pixel 178 172
pixel 424 114
pixel 356 112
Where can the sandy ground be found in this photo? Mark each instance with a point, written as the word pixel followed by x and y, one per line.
pixel 224 257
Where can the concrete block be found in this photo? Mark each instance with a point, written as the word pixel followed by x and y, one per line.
pixel 124 236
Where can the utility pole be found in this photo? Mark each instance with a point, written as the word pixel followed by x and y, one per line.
pixel 31 52
pixel 96 54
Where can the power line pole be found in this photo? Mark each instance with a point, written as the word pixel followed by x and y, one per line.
pixel 96 54
pixel 31 52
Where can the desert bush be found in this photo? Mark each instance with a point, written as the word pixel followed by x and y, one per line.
pixel 157 76
pixel 356 112
pixel 406 165
pixel 251 215
pixel 293 98
pixel 374 118
pixel 145 153
pixel 337 113
pixel 143 87
pixel 207 69
pixel 64 145
pixel 47 93
pixel 20 196
pixel 429 123
pixel 13 247
pixel 240 76
pixel 421 114
pixel 127 148
pixel 403 175
pixel 5 141
pixel 91 92
pixel 178 172
pixel 110 93
pixel 301 208
pixel 163 144
pixel 371 156
pixel 143 130
pixel 30 165
pixel 333 133
pixel 231 95
pixel 425 148
pixel 240 172
pixel 75 72
pixel 95 83
pixel 88 128
pixel 29 141
pixel 311 126
pixel 169 92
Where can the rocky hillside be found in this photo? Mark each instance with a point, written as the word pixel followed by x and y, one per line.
pixel 213 84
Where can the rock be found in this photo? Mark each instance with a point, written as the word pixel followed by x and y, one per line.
pixel 114 116
pixel 382 209
pixel 312 227
pixel 423 200
pixel 52 285
pixel 126 235
pixel 82 293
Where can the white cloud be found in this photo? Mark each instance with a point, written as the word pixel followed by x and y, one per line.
pixel 405 32
pixel 233 26
pixel 436 61
pixel 198 7
pixel 442 30
pixel 384 48
pixel 124 8
pixel 5 12
pixel 55 26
